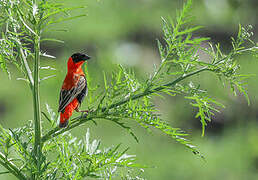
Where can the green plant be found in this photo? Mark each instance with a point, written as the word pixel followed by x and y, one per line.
pixel 29 153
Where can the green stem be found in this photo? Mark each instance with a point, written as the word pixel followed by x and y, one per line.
pixel 36 101
pixel 11 167
pixel 56 131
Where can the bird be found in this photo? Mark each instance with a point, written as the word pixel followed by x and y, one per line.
pixel 74 88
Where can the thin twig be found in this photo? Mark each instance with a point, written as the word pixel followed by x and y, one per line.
pixel 27 68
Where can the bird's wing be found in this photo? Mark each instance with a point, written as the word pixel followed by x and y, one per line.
pixel 83 93
pixel 67 96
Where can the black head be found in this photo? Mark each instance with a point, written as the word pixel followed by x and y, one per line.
pixel 77 57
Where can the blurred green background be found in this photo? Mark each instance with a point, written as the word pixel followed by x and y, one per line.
pixel 125 31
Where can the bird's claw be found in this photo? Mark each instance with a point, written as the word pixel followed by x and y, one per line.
pixel 85 112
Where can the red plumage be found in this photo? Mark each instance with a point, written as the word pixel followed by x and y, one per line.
pixel 74 88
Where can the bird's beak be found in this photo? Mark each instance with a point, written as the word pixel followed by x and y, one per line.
pixel 86 57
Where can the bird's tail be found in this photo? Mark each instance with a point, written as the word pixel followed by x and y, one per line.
pixel 64 116
pixel 63 120
pixel 67 113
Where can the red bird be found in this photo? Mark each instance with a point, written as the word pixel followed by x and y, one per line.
pixel 74 88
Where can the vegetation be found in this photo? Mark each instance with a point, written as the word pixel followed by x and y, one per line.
pixel 30 153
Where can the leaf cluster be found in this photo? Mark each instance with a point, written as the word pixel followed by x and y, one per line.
pixel 22 21
pixel 63 157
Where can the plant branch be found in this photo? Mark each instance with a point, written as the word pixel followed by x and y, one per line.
pixel 78 121
pixel 56 131
pixel 11 167
pixel 137 96
pixel 27 69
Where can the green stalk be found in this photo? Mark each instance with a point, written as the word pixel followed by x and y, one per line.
pixel 36 101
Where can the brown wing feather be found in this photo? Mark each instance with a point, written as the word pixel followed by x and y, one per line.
pixel 67 96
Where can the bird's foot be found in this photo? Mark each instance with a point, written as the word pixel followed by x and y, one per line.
pixel 84 112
